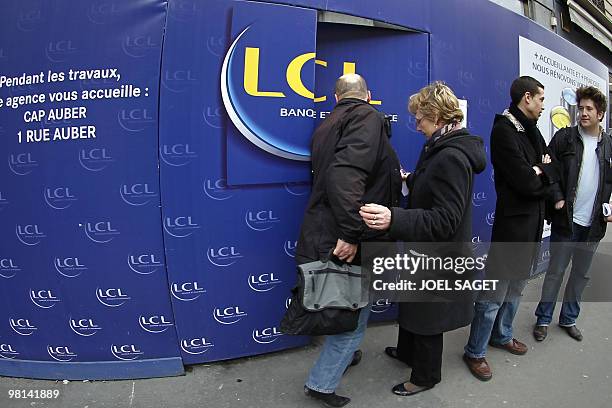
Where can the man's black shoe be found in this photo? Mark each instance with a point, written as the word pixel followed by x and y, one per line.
pixel 540 332
pixel 356 358
pixel 573 332
pixel 329 400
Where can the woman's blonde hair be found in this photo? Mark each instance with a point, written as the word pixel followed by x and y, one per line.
pixel 437 102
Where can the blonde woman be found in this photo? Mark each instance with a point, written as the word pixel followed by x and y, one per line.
pixel 439 210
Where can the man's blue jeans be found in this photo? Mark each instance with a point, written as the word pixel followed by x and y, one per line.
pixel 493 316
pixel 564 248
pixel 336 355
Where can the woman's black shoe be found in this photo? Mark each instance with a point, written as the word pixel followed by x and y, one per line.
pixel 399 389
pixel 330 400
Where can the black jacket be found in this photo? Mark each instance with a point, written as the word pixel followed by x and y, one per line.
pixel 517 146
pixel 567 147
pixel 353 163
pixel 440 210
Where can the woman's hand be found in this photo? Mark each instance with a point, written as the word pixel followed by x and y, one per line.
pixel 377 217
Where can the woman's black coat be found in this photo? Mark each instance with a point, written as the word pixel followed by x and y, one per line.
pixel 440 210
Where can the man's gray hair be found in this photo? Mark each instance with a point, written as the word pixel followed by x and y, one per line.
pixel 351 86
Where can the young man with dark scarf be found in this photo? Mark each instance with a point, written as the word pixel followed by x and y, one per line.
pixel 523 176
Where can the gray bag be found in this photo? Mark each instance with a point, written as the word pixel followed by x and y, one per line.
pixel 331 285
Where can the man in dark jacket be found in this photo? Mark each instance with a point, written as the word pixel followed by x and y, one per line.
pixel 584 153
pixel 523 175
pixel 353 163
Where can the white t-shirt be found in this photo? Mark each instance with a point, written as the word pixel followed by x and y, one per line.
pixel 588 180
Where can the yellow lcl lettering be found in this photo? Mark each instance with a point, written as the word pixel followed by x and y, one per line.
pixel 294 76
pixel 251 75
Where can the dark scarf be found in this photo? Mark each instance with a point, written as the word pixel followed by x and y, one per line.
pixel 531 130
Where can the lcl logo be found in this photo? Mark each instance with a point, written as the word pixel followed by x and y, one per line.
pixel 177 155
pixel 137 194
pixel 196 346
pixel 29 234
pixel 84 327
pixel 178 80
pixel 217 189
pixel 183 10
pixel 8 268
pixel 213 117
pixel 293 74
pixel 103 12
pixel 138 46
pixel 380 305
pixel 260 220
pixel 126 352
pixel 58 51
pixel 100 232
pixel 228 315
pixel 61 353
pixel 7 351
pixel 490 218
pixel 186 291
pixel 479 198
pixel 70 267
pixel 95 160
pixel 144 264
pixel 135 120
pixel 263 283
pixel 112 297
pixel 7 264
pixel 44 299
pixel 23 327
pixel 22 164
pixel 289 247
pixel 267 335
pixel 59 198
pixel 154 324
pixel 180 227
pixel 224 256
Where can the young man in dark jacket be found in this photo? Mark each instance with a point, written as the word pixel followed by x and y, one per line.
pixel 353 163
pixel 523 175
pixel 584 154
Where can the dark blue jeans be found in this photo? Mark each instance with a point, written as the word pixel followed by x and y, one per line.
pixel 563 249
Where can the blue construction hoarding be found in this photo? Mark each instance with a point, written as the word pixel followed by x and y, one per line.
pixel 156 161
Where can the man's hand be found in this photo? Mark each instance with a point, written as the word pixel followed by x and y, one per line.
pixel 545 160
pixel 344 251
pixel 559 204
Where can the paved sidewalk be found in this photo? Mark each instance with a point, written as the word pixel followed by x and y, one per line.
pixel 558 372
